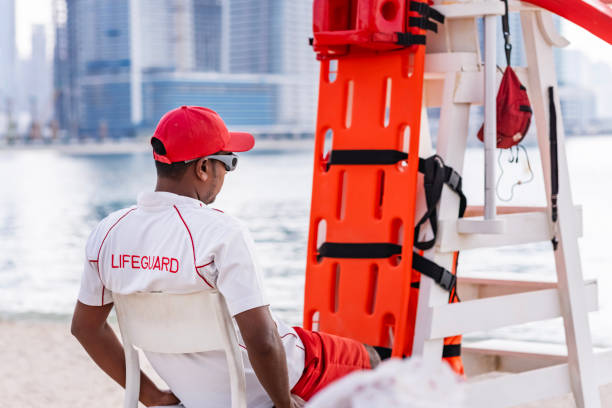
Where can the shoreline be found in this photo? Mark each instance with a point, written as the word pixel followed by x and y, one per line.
pixel 44 365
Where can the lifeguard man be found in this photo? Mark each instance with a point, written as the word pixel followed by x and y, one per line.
pixel 172 241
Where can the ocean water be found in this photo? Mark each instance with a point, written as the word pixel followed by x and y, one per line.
pixel 50 201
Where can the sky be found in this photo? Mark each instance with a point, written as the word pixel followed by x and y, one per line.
pixel 581 39
pixel 39 12
pixel 28 13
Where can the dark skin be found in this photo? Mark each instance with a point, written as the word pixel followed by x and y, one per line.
pixel 203 181
pixel 90 328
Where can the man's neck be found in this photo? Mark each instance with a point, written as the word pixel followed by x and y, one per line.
pixel 176 188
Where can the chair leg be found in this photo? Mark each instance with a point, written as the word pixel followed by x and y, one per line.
pixel 132 377
pixel 237 382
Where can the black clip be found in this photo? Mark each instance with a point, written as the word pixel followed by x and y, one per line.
pixel 422 22
pixel 454 181
pixel 409 39
pixel 427 11
pixel 447 280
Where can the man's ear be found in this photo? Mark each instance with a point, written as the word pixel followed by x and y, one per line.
pixel 200 169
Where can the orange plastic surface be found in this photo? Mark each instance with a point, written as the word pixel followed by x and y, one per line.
pixel 368 102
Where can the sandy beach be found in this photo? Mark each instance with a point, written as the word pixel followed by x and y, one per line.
pixel 43 365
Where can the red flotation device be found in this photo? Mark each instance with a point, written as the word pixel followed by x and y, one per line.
pixel 592 15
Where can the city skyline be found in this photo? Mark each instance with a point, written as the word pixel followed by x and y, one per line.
pixel 30 12
pixel 127 63
pixel 236 48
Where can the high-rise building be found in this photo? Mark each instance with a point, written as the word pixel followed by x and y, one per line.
pixel 578 108
pixel 103 64
pixel 584 88
pixel 255 36
pixel 8 52
pixel 128 62
pixel 207 16
pixel 271 37
pixel 39 76
pixel 64 69
pixel 600 74
pixel 572 67
pixel 164 31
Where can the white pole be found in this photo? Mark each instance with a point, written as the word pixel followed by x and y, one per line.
pixel 490 124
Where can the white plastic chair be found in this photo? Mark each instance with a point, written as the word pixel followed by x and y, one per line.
pixel 177 323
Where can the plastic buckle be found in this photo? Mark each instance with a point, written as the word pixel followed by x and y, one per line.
pixel 423 23
pixel 447 281
pixel 408 39
pixel 427 11
pixel 454 181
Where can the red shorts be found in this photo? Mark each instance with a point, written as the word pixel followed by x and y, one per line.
pixel 328 358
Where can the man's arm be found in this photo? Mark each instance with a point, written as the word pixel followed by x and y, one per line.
pixel 267 355
pixel 90 328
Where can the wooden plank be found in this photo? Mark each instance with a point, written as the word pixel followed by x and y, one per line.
pixel 478 210
pixel 472 287
pixel 482 226
pixel 603 367
pixel 432 89
pixel 514 389
pixel 515 356
pixel 500 311
pixel 442 62
pixel 534 385
pixel 520 228
pixel 452 140
pixel 573 298
pixel 510 356
pixel 476 9
pixel 482 8
pixel 549 31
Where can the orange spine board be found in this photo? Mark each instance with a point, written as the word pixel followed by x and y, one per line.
pixel 366 102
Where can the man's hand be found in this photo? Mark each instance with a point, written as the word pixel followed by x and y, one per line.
pixel 266 354
pixel 159 399
pixel 297 402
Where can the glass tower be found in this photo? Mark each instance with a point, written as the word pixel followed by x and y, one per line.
pixel 126 62
pixel 8 51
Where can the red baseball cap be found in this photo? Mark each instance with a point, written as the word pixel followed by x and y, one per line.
pixel 191 132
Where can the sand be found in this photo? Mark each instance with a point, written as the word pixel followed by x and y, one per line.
pixel 42 365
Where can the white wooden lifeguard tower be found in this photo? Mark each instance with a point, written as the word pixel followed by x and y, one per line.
pixel 455 79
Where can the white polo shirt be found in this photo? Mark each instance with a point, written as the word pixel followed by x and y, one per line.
pixel 178 244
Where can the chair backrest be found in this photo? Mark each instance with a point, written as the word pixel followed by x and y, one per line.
pixel 177 323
